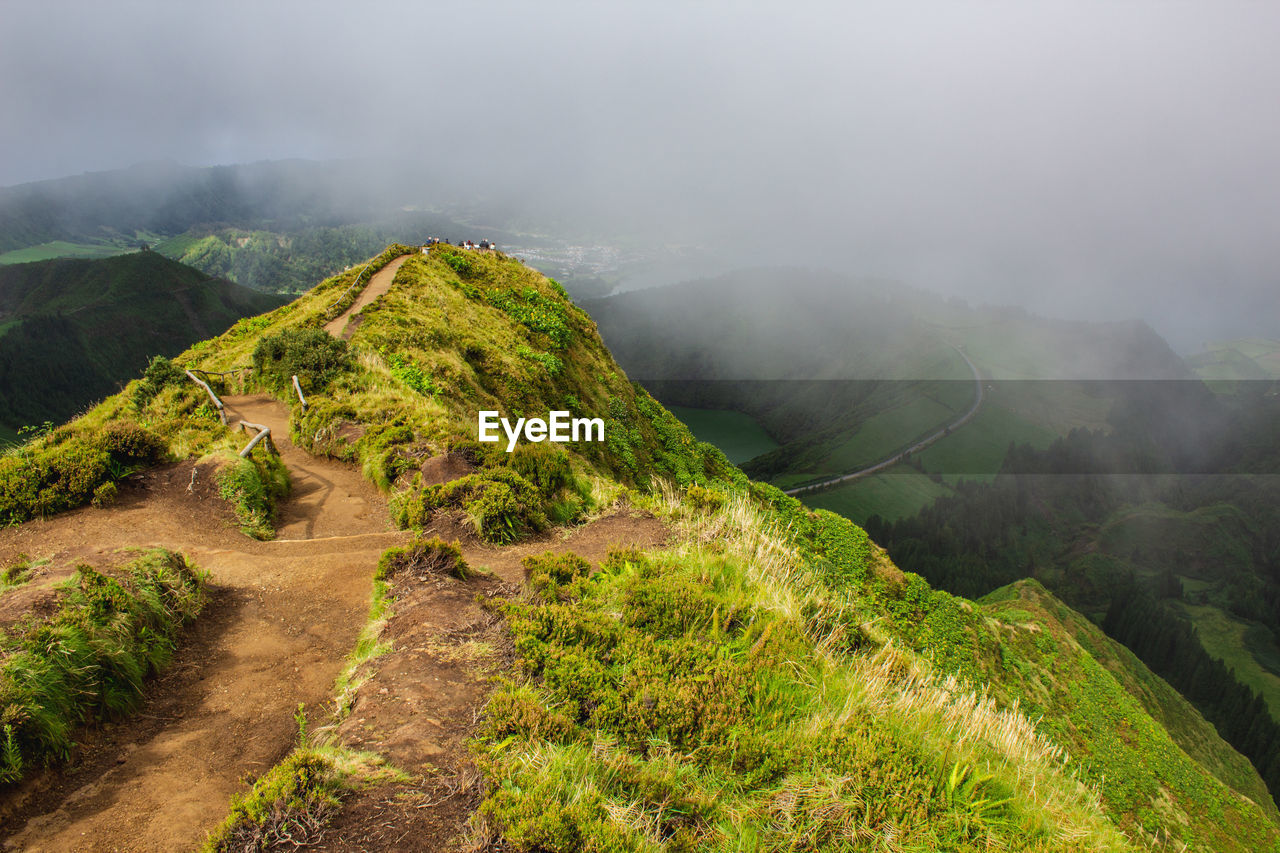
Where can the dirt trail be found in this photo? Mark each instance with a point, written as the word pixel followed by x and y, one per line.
pixel 339 326
pixel 421 706
pixel 283 616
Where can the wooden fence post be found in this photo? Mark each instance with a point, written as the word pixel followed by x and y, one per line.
pixel 263 433
pixel 222 415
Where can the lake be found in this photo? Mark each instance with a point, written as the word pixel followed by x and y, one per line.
pixel 738 435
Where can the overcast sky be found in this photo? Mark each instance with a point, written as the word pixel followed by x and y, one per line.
pixel 1084 158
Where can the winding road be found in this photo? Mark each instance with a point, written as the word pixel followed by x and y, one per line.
pixel 902 454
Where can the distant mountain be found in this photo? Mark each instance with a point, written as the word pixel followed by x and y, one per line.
pixel 73 331
pixel 166 199
pixel 279 226
pixel 793 323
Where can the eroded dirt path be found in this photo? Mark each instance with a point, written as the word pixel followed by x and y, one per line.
pixel 282 617
pixel 340 326
pixel 424 700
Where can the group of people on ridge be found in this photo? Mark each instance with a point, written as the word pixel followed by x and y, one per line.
pixel 463 244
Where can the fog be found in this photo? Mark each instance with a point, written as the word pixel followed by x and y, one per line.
pixel 1084 159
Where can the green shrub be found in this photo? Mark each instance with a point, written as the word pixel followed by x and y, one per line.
pixel 289 805
pixel 707 500
pixel 69 466
pixel 48 479
pixel 105 495
pixel 545 465
pixel 252 486
pixel 844 545
pixel 459 263
pixel 553 576
pixel 326 428
pixel 89 659
pixel 411 374
pixel 159 374
pixel 550 363
pixel 422 558
pixel 478 453
pixel 384 448
pixel 788 510
pixel 131 444
pixel 312 354
pixel 501 505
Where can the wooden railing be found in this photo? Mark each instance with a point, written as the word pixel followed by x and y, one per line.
pixel 264 433
pixel 222 414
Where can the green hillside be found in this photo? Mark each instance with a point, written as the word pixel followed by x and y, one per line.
pixel 767 681
pixel 74 331
pixel 63 249
pixel 1244 360
pixel 291 260
pixel 277 226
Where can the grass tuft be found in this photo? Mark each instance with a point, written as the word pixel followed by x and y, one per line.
pixel 253 486
pixel 89 659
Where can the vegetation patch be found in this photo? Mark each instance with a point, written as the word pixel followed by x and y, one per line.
pixel 501 505
pixel 159 374
pixel 517 493
pixel 89 659
pixel 253 485
pixel 67 467
pixel 412 375
pixel 422 558
pixel 671 703
pixel 312 354
pixel 292 802
pixel 369 646
pixel 16 573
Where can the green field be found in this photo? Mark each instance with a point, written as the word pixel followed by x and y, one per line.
pixel 1228 638
pixel 977 449
pixel 738 435
pixel 176 247
pixel 62 249
pixel 900 492
pixel 1239 360
pixel 886 433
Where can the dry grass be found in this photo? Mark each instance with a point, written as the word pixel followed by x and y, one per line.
pixel 891 682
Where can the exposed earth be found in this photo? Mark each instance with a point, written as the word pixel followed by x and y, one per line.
pixel 282 618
